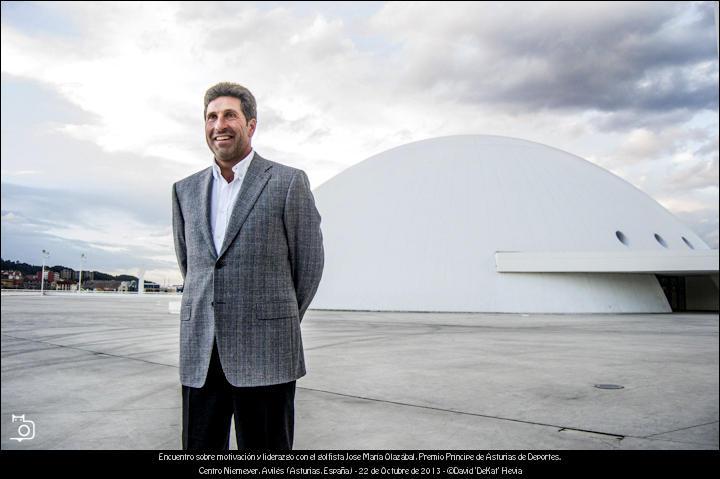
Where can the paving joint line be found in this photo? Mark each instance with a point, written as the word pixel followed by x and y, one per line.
pixel 89 351
pixel 680 429
pixel 560 428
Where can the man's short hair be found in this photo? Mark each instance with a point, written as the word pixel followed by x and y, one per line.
pixel 247 100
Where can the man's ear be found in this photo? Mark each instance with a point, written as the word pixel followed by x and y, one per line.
pixel 252 123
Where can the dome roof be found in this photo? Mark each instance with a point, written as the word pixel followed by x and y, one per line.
pixel 416 228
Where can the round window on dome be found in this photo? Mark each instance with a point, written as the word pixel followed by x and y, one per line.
pixel 687 242
pixel 660 240
pixel 622 238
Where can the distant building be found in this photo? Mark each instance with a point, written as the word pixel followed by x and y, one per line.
pixel 12 279
pixel 86 275
pixel 101 285
pixel 66 274
pixel 127 287
pixel 64 285
pixel 12 274
pixel 49 276
pixel 31 282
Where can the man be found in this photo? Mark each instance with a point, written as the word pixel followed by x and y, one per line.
pixel 248 242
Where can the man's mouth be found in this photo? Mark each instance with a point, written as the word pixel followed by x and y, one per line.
pixel 223 139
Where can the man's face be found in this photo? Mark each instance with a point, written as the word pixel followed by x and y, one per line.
pixel 227 132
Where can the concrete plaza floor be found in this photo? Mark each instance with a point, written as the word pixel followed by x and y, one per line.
pixel 101 372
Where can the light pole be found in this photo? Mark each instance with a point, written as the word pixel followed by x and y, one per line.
pixel 82 263
pixel 46 255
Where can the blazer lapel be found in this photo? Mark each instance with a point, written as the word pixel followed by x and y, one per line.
pixel 255 180
pixel 206 186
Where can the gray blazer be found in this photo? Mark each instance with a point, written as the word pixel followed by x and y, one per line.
pixel 253 294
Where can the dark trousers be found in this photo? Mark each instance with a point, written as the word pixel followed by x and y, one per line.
pixel 264 415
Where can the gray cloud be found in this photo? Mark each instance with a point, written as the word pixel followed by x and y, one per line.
pixel 710 147
pixel 26 246
pixel 699 175
pixel 632 58
pixel 31 215
pixel 54 206
pixel 625 120
pixel 75 190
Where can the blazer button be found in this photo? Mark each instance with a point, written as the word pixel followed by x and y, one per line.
pixel 220 264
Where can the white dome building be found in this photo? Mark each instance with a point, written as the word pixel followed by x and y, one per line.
pixel 495 224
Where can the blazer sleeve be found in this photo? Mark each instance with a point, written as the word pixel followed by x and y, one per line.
pixel 178 223
pixel 305 242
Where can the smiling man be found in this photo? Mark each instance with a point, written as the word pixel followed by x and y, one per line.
pixel 248 242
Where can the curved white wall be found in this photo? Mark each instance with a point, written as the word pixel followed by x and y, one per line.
pixel 415 229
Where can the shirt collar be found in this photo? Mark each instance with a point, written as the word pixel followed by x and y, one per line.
pixel 239 169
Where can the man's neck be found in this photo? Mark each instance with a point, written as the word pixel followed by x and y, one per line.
pixel 226 167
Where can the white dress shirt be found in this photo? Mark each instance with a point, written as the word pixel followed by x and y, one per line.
pixel 224 195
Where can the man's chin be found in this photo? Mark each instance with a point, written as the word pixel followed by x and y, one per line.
pixel 221 155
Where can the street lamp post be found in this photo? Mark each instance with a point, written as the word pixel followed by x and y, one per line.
pixel 46 254
pixel 82 263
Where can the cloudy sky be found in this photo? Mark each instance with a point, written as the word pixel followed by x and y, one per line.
pixel 102 103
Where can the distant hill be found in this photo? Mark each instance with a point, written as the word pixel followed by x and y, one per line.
pixel 25 268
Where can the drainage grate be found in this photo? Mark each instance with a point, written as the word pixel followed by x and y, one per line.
pixel 609 386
